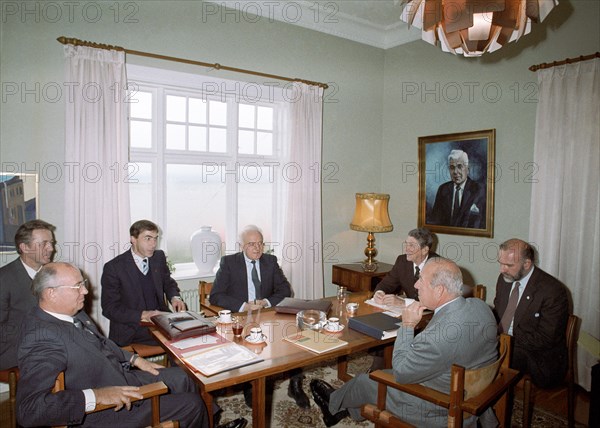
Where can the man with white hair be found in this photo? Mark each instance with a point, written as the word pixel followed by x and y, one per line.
pixel 461 331
pixel 460 202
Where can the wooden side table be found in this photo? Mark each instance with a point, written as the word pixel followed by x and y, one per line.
pixel 354 278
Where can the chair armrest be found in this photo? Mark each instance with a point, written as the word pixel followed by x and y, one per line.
pixel 423 392
pixel 505 379
pixel 147 391
pixel 210 309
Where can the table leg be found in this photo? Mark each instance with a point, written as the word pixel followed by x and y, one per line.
pixel 388 351
pixel 208 401
pixel 258 402
pixel 343 369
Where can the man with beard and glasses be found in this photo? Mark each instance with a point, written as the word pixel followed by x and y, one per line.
pixel 533 307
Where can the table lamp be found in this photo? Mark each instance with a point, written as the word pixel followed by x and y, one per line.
pixel 371 215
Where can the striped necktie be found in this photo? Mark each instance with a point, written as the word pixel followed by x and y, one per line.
pixel 511 307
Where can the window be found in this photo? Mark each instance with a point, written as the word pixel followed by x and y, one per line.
pixel 203 158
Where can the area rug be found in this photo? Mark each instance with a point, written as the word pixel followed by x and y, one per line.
pixel 283 411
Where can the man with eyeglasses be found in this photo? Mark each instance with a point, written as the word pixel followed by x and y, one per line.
pixel 34 242
pixel 405 273
pixel 59 337
pixel 134 287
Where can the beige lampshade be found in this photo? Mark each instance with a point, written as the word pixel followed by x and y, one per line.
pixel 371 213
pixel 474 27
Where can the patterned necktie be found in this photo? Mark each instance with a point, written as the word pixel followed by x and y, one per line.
pixel 417 273
pixel 509 313
pixel 145 266
pixel 256 281
pixel 456 204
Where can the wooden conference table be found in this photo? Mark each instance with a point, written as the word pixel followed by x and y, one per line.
pixel 280 356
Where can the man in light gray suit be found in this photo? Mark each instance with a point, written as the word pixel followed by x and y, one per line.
pixel 34 241
pixel 461 331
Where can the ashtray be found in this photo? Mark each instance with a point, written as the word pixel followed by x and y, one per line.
pixel 311 319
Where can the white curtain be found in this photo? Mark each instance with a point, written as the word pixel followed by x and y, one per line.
pixel 96 214
pixel 302 259
pixel 565 202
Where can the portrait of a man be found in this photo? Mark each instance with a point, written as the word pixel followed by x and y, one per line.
pixel 456 183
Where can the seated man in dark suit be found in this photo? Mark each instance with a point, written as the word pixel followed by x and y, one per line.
pixel 426 358
pixel 460 202
pixel 134 286
pixel 251 280
pixel 59 337
pixel 34 241
pixel 401 279
pixel 533 307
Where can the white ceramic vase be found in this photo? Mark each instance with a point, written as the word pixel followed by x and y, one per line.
pixel 206 250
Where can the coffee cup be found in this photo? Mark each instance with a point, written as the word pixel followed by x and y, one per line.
pixel 352 307
pixel 255 334
pixel 225 316
pixel 333 323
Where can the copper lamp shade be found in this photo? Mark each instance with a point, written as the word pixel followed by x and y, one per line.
pixel 371 215
pixel 474 27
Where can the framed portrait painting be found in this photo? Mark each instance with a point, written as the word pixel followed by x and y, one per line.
pixel 456 183
pixel 19 203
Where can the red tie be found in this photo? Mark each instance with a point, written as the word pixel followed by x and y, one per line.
pixel 509 313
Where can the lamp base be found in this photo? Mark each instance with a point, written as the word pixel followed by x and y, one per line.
pixel 369 266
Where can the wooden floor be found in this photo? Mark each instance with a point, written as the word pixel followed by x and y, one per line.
pixel 554 401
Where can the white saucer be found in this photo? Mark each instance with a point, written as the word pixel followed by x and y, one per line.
pixel 256 342
pixel 328 328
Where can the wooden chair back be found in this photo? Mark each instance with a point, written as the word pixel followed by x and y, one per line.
pixel 151 391
pixel 204 289
pixel 11 376
pixel 471 392
pixel 479 291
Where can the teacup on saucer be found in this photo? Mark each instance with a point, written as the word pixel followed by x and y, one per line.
pixel 250 339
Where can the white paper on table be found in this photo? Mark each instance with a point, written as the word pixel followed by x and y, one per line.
pixel 195 341
pixel 395 311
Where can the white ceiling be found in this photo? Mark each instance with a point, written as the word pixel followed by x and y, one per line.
pixel 372 22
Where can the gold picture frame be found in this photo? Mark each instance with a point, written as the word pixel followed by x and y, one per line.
pixel 18 204
pixel 473 213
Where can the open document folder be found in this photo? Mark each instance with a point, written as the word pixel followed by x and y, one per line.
pixel 220 358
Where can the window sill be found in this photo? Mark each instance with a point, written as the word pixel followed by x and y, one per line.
pixel 188 271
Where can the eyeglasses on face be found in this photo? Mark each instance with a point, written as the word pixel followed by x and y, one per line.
pixel 76 286
pixel 255 244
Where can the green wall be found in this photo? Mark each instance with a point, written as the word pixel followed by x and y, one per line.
pixel 369 130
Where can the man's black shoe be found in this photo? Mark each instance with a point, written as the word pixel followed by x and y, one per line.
pixel 296 392
pixel 321 391
pixel 236 423
pixel 248 395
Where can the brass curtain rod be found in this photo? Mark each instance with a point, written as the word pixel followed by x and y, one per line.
pixel 76 42
pixel 564 61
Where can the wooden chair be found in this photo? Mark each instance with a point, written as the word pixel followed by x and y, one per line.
pixel 572 335
pixel 471 392
pixel 151 391
pixel 204 289
pixel 479 291
pixel 11 376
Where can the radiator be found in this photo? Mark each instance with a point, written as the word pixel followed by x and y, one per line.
pixel 191 299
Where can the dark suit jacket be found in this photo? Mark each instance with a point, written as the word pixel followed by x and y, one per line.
pixel 230 288
pixel 122 298
pixel 473 194
pixel 401 278
pixel 15 301
pixel 539 327
pixel 49 346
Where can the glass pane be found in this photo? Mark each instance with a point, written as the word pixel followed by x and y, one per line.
pixel 195 198
pixel 265 118
pixel 246 142
pixel 140 190
pixel 217 140
pixel 255 198
pixel 140 104
pixel 246 117
pixel 175 137
pixel 197 138
pixel 197 111
pixel 176 108
pixel 264 143
pixel 218 113
pixel 140 134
